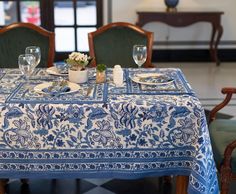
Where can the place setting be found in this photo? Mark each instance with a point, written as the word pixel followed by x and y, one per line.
pixel 34 85
pixel 43 85
pixel 149 80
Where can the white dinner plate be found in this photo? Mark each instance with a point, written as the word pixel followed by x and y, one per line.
pixel 39 88
pixel 54 71
pixel 151 78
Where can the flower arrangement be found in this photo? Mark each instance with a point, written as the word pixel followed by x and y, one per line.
pixel 78 61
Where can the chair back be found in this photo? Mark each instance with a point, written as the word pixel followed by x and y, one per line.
pixel 15 37
pixel 113 44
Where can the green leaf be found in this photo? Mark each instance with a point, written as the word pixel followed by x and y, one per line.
pixel 101 67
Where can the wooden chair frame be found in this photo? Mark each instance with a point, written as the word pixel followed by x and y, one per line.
pixel 102 29
pixel 226 174
pixel 50 35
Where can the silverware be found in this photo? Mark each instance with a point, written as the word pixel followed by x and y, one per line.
pixel 89 90
pixel 27 90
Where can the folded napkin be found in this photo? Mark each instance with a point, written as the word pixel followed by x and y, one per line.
pixel 152 78
pixel 163 88
pixel 57 88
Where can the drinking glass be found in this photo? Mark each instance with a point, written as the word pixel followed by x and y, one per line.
pixel 26 64
pixel 139 54
pixel 34 50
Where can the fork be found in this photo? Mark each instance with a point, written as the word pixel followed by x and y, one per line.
pixel 89 90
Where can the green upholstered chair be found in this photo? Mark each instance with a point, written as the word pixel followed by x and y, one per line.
pixel 113 44
pixel 15 37
pixel 223 138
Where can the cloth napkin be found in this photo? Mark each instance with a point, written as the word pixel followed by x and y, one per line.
pixel 56 91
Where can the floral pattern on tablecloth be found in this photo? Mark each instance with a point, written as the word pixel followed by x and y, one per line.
pixel 117 132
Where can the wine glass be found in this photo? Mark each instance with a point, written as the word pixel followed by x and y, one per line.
pixel 26 64
pixel 34 50
pixel 139 54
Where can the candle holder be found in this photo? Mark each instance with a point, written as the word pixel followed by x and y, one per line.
pixel 101 73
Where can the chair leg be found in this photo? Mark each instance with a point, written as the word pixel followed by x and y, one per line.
pixel 182 184
pixel 167 179
pixel 3 183
pixel 225 177
pixel 24 181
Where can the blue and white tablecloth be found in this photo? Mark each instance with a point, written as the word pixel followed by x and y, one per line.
pixel 126 132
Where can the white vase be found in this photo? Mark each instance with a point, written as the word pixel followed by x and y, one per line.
pixel 78 76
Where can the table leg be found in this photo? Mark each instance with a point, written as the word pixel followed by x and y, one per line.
pixel 219 34
pixel 24 181
pixel 181 184
pixel 215 40
pixel 2 186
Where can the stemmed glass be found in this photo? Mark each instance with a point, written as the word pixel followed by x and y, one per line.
pixel 34 50
pixel 26 64
pixel 139 54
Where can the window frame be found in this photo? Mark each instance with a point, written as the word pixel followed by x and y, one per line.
pixel 47 19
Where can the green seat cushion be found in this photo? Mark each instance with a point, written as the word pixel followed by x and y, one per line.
pixel 115 46
pixel 14 42
pixel 223 132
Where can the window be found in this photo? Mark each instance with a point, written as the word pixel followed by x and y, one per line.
pixel 15 10
pixel 71 20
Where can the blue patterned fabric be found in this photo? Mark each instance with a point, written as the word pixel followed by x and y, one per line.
pixel 126 132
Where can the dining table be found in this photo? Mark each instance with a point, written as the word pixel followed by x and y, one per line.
pixel 151 125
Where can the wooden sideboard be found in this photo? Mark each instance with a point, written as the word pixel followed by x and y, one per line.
pixel 182 19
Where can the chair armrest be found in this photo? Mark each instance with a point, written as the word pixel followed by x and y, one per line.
pixel 229 92
pixel 228 154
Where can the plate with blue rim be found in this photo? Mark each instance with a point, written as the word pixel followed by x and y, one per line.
pixel 151 79
pixel 56 88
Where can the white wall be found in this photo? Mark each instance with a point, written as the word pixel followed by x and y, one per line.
pixel 2 21
pixel 125 10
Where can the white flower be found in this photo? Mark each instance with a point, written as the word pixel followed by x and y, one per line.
pixel 72 56
pixel 78 60
pixel 77 56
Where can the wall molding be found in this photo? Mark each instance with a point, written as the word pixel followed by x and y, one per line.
pixel 191 55
pixel 189 43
